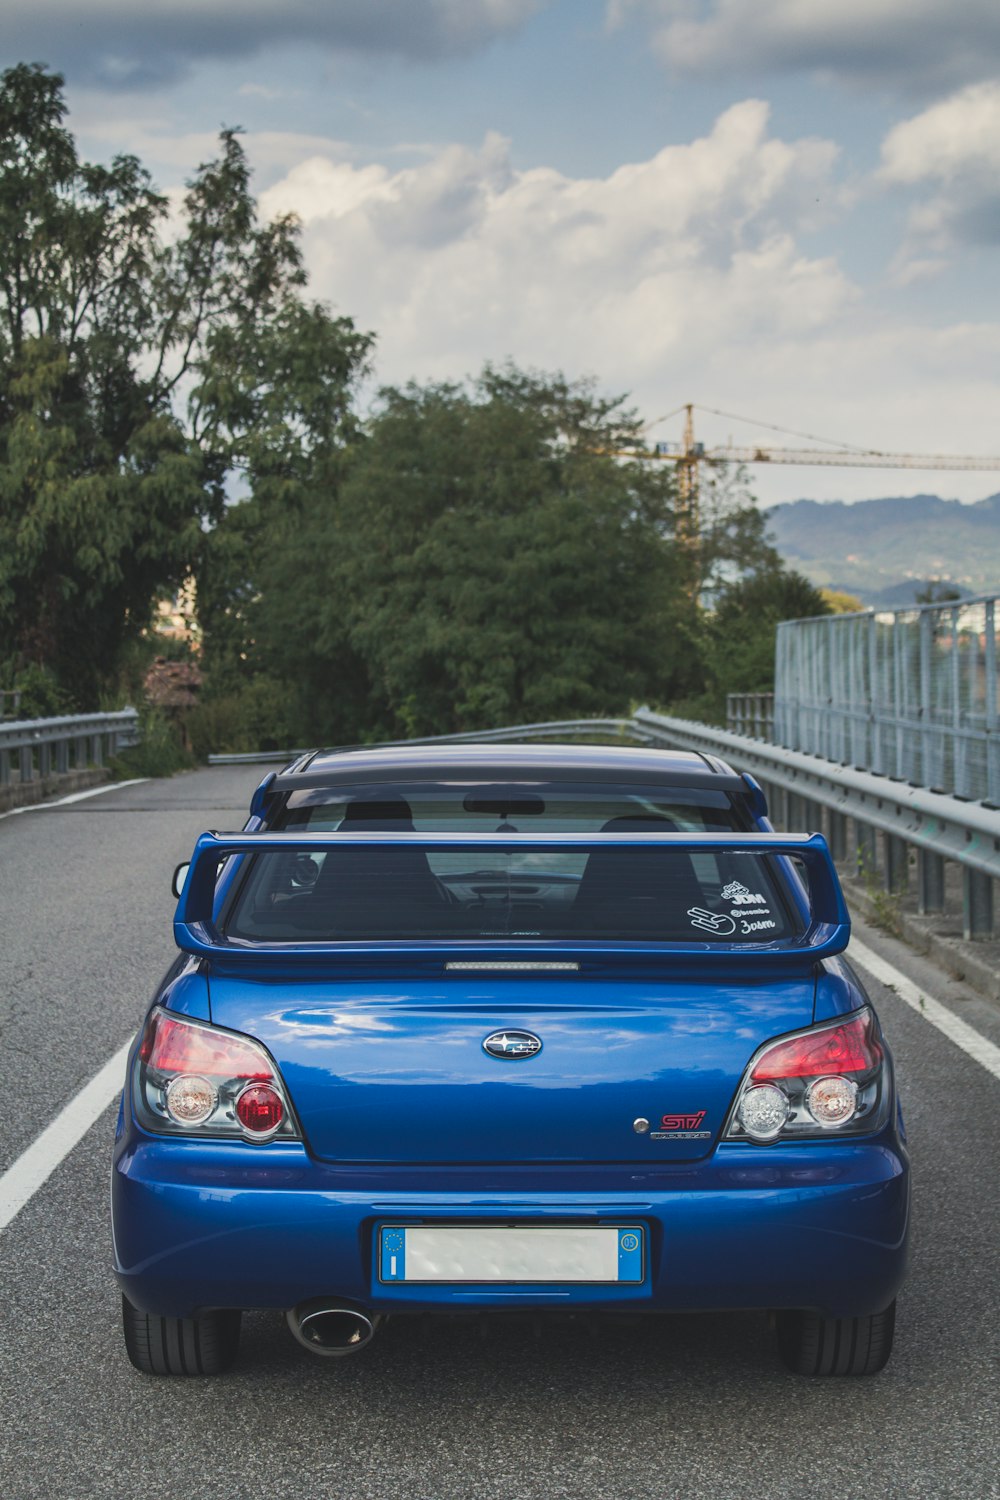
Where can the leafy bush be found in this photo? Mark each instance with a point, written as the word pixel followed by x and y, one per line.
pixel 42 697
pixel 705 708
pixel 160 751
pixel 262 714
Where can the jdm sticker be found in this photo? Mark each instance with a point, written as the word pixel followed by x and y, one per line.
pixel 711 921
pixel 739 895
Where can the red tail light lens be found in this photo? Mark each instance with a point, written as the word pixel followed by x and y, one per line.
pixel 850 1048
pixel 825 1082
pixel 259 1109
pixel 194 1079
pixel 172 1046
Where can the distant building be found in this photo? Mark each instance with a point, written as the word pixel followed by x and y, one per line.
pixel 177 617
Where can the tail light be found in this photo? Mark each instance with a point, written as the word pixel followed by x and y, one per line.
pixel 193 1079
pixel 827 1081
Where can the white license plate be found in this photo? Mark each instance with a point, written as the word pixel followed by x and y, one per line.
pixel 511 1253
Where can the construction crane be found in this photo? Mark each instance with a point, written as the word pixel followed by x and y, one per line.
pixel 688 455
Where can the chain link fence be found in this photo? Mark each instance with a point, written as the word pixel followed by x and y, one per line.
pixel 908 693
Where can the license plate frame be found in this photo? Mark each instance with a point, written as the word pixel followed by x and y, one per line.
pixel 511 1254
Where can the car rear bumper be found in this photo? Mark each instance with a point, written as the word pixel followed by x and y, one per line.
pixel 200 1225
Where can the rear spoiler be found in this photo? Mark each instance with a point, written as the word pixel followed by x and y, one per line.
pixel 828 930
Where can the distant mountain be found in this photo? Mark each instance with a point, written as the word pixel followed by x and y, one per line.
pixel 886 550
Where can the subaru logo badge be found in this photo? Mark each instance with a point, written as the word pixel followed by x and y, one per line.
pixel 512 1045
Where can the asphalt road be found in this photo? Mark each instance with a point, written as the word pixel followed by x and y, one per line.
pixel 677 1407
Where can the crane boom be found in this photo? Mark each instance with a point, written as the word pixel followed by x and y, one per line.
pixel 689 454
pixel 729 453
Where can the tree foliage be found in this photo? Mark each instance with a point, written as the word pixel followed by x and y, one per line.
pixel 741 631
pixel 486 560
pixel 136 376
pixel 172 403
pixel 538 580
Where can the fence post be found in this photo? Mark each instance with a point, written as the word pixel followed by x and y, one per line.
pixel 837 835
pixel 897 863
pixel 867 850
pixel 958 744
pixel 977 905
pixel 875 749
pixel 930 881
pixel 990 704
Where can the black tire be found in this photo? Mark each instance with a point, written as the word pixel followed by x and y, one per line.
pixel 812 1345
pixel 180 1346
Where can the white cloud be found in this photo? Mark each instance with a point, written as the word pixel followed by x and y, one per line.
pixel 900 386
pixel 955 138
pixel 158 144
pixel 462 258
pixel 681 277
pixel 124 45
pixel 911 45
pixel 953 148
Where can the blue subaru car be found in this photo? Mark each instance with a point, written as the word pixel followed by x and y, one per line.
pixel 488 1027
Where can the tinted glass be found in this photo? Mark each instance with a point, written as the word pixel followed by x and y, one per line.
pixel 383 891
pixel 525 807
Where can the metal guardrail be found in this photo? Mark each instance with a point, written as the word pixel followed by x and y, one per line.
pixel 804 792
pixel 938 826
pixel 751 713
pixel 35 748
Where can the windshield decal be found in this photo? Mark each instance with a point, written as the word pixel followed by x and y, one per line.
pixel 711 921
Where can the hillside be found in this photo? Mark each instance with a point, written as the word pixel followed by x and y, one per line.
pixel 884 550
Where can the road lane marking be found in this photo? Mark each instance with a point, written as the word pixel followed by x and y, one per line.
pixel 978 1047
pixel 36 1164
pixel 94 791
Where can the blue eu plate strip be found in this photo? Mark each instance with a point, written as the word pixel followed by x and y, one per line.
pixel 630 1255
pixel 392 1265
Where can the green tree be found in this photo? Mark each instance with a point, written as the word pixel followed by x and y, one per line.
pixel 486 560
pixel 137 378
pixel 746 591
pixel 743 628
pixel 840 602
pixel 734 540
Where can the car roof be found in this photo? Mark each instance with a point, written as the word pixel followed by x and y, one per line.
pixel 509 761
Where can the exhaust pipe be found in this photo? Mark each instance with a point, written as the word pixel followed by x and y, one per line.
pixel 327 1328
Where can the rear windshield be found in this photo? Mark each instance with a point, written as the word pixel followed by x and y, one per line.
pixel 509 807
pixel 618 891
pixel 654 893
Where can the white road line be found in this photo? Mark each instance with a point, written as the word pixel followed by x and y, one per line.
pixel 960 1032
pixel 35 1165
pixel 94 791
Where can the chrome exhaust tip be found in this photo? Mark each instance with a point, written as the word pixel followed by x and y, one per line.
pixel 329 1329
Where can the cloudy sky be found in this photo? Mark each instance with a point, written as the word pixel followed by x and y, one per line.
pixel 783 209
